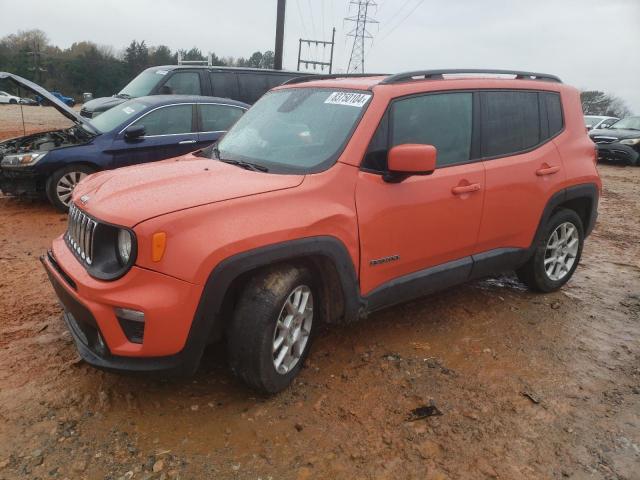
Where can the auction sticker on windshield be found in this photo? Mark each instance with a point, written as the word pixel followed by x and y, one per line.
pixel 350 99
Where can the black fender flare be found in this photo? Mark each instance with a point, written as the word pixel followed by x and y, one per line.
pixel 208 321
pixel 586 190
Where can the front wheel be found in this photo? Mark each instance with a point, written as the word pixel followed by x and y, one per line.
pixel 272 328
pixel 13 101
pixel 61 183
pixel 557 255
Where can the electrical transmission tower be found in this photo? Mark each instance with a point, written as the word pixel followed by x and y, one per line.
pixel 359 33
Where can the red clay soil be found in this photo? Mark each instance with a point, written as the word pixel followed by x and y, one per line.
pixel 528 386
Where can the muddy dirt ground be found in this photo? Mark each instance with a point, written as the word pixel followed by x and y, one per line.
pixel 36 119
pixel 528 386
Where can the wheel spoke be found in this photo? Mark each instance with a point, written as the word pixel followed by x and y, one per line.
pixel 292 329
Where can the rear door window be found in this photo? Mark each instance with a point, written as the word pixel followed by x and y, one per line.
pixel 218 118
pixel 182 83
pixel 225 84
pixel 171 120
pixel 252 86
pixel 510 122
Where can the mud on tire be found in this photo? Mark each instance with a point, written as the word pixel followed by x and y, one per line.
pixel 260 317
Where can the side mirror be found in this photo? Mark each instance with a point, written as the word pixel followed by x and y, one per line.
pixel 134 133
pixel 410 159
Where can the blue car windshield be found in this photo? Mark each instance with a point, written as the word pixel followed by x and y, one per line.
pixel 118 115
pixel 142 85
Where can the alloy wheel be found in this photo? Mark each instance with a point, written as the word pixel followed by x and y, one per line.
pixel 561 251
pixel 66 184
pixel 292 330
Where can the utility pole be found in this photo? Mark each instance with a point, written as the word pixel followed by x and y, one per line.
pixel 36 53
pixel 277 57
pixel 359 33
pixel 317 63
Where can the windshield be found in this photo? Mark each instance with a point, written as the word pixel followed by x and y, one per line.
pixel 116 116
pixel 143 83
pixel 295 130
pixel 629 123
pixel 591 121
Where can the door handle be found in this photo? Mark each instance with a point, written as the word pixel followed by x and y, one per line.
pixel 461 189
pixel 186 142
pixel 547 170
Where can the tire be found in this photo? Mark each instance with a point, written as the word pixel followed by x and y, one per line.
pixel 550 268
pixel 60 184
pixel 259 320
pixel 12 101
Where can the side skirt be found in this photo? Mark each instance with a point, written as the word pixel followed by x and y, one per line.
pixel 440 277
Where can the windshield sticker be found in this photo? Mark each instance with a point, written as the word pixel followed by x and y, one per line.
pixel 128 110
pixel 161 72
pixel 348 98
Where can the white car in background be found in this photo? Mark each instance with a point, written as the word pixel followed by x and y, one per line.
pixel 8 98
pixel 598 121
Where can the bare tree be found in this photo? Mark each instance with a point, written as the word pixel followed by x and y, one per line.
pixel 595 102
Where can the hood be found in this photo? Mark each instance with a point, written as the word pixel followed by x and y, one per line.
pixel 102 104
pixel 130 195
pixel 55 102
pixel 617 133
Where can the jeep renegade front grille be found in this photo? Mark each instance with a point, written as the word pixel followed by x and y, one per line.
pixel 80 232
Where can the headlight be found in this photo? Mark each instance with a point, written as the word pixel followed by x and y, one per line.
pixel 22 159
pixel 124 246
pixel 630 141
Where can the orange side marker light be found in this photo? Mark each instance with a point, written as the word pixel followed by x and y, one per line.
pixel 158 245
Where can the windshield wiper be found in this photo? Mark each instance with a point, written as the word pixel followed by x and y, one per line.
pixel 124 95
pixel 246 165
pixel 239 163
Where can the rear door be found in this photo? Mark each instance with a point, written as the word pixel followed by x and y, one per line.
pixel 423 221
pixel 225 84
pixel 214 120
pixel 169 132
pixel 523 166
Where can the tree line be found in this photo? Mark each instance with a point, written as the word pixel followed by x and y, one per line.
pixel 595 102
pixel 99 69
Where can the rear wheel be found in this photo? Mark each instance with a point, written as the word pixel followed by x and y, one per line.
pixel 272 327
pixel 61 183
pixel 557 255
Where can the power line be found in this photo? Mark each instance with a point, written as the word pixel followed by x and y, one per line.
pixel 304 26
pixel 420 2
pixel 388 22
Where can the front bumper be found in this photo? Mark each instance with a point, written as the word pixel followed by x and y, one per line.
pixel 21 183
pixel 169 305
pixel 618 152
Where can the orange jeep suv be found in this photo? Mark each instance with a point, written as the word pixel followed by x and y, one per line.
pixel 332 197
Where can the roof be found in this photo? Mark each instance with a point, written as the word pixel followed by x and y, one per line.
pixel 220 68
pixel 442 77
pixel 169 99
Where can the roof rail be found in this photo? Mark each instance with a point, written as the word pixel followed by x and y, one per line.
pixel 439 75
pixel 312 77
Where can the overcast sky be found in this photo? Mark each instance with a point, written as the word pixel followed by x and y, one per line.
pixel 591 44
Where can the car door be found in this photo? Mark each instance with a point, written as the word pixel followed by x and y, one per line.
pixel 214 120
pixel 523 166
pixel 169 132
pixel 424 221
